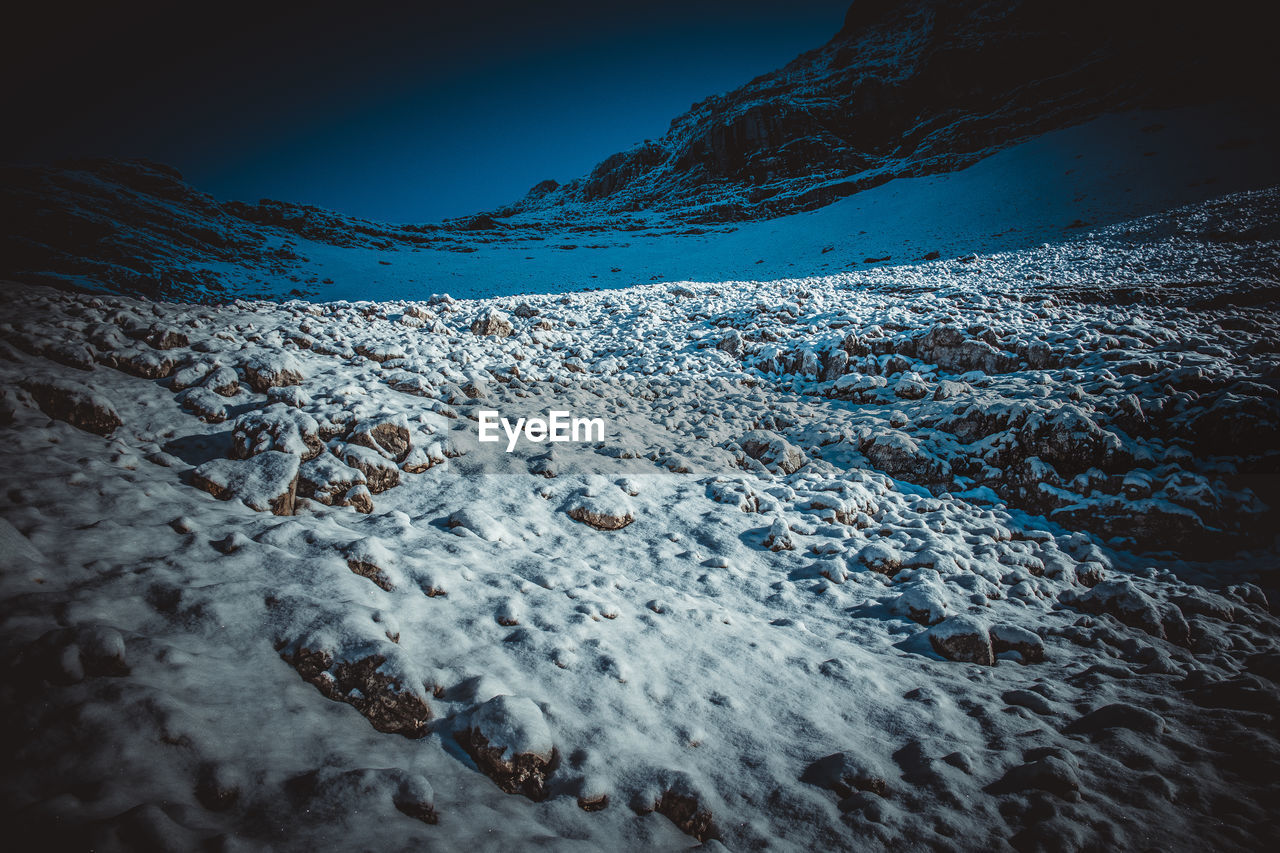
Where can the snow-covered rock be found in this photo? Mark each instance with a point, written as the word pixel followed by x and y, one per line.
pixel 77 404
pixel 271 371
pixel 963 638
pixel 510 741
pixel 267 482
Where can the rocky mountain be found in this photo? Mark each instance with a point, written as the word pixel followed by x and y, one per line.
pixel 907 89
pixel 903 90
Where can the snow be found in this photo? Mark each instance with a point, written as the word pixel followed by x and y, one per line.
pixel 920 620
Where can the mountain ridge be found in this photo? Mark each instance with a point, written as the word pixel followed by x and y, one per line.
pixel 902 90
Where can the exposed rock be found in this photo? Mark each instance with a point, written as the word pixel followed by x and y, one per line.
pixel 948 389
pixel 76 404
pixel 947 347
pixel 380 473
pixel 510 742
pixel 898 455
pixel 1126 602
pixel 328 480
pixel 389 705
pixel 493 323
pixel 204 404
pixel 359 498
pixel 911 387
pixel 144 363
pixel 1011 638
pixel 846 772
pixel 389 436
pixel 224 381
pixel 880 557
pixel 370 559
pixel 923 602
pixel 162 337
pixel 856 387
pixel 773 451
pixel 779 538
pixel 380 352
pixel 689 816
pixel 191 375
pixel 593 802
pixel 732 343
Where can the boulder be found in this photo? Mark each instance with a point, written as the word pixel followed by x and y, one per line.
pixel 204 404
pixel 76 404
pixel 223 381
pixel 272 370
pixel 963 638
pixel 328 480
pixel 1011 638
pixel 495 323
pixel 267 482
pixel 277 427
pixel 509 740
pixel 387 435
pixel 773 451
pixel 846 772
pixel 607 511
pixel 380 473
pixel 898 455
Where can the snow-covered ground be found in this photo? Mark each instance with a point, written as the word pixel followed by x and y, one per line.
pixel 960 554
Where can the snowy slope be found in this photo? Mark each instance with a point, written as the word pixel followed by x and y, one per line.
pixel 136 229
pixel 910 556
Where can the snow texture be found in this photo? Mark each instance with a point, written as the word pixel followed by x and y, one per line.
pixel 972 553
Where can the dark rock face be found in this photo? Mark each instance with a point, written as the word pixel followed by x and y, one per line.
pixel 904 89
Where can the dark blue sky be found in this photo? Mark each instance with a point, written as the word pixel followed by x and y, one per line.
pixel 403 116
